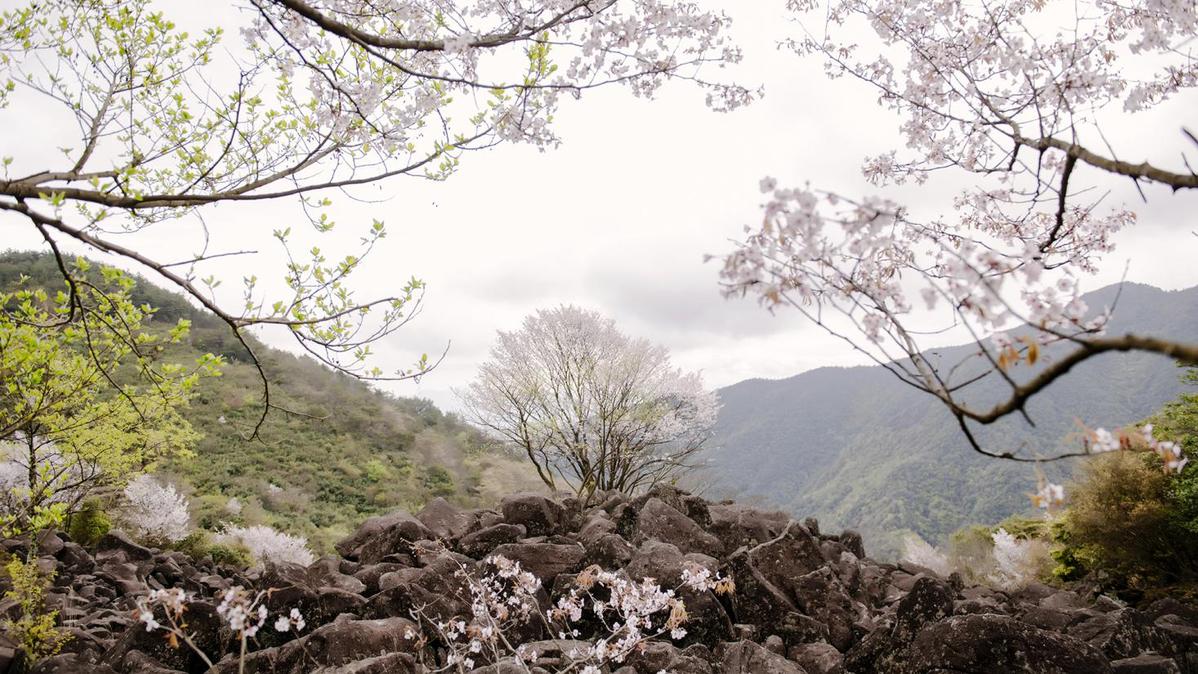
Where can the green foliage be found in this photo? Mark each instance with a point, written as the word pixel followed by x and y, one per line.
pixel 199 545
pixel 1131 519
pixel 438 481
pixel 85 399
pixel 89 523
pixel 34 631
pixel 1025 527
pixel 1123 520
pixel 351 453
pixel 970 551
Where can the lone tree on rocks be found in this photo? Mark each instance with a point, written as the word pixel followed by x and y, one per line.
pixel 591 407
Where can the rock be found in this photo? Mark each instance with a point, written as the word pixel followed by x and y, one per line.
pixel 817 658
pixel 658 656
pixel 821 596
pixel 1121 634
pixel 337 645
pixel 326 571
pixel 1148 663
pixel 117 546
pixel 596 526
pixel 661 522
pixel 370 574
pixel 930 599
pixel 211 637
pixel 385 528
pixel 738 525
pixel 992 643
pixel 814 598
pixel 765 574
pixel 746 657
pixel 70 663
pixel 544 560
pixel 539 515
pixel 445 521
pixel 609 551
pixel 480 543
pixel 852 541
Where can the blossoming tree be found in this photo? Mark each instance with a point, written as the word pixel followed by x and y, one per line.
pixel 318 96
pixel 1014 96
pixel 591 407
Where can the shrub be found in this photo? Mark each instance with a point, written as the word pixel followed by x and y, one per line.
pixel 1018 561
pixel 34 631
pixel 199 545
pixel 919 552
pixel 438 481
pixel 267 545
pixel 89 523
pixel 1123 520
pixel 155 511
pixel 971 552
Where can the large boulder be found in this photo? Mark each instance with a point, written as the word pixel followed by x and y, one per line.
pixel 446 521
pixel 746 657
pixel 994 644
pixel 478 544
pixel 383 535
pixel 544 560
pixel 539 515
pixel 1122 634
pixel 739 525
pixel 337 646
pixel 659 521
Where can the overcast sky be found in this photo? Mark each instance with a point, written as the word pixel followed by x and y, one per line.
pixel 619 218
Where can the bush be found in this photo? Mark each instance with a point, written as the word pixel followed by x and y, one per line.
pixel 921 553
pixel 1123 520
pixel 155 512
pixel 438 481
pixel 267 545
pixel 971 552
pixel 89 524
pixel 1018 561
pixel 199 545
pixel 34 631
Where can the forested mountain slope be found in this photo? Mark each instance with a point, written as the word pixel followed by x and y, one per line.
pixel 352 452
pixel 858 448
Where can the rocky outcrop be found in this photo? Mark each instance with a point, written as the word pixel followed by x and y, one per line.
pixel 806 602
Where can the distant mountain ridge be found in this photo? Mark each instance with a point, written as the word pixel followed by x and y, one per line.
pixel 858 448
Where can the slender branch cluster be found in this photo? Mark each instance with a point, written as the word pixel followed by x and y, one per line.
pixel 319 95
pixel 1011 94
pixel 611 613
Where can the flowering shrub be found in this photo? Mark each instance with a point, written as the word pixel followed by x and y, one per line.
pixel 1017 561
pixel 504 597
pixel 155 511
pixel 268 545
pixel 921 553
pixel 998 558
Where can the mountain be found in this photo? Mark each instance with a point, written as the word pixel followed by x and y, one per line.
pixel 858 448
pixel 354 452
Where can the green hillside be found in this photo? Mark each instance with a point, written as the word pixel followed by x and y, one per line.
pixel 351 453
pixel 858 448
